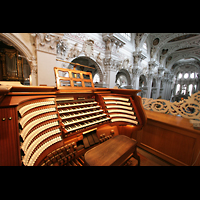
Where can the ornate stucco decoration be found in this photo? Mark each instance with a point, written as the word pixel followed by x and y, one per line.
pixel 99 59
pixel 88 48
pixel 62 47
pixel 73 52
pixel 138 57
pixel 152 65
pixel 45 42
pixel 113 43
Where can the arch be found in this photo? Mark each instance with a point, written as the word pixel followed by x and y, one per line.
pixel 154 83
pixel 185 54
pixel 189 55
pixel 123 72
pixel 164 41
pixel 10 38
pixel 142 80
pixel 195 65
pixel 93 62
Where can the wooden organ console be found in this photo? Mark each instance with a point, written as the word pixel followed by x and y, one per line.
pixel 49 126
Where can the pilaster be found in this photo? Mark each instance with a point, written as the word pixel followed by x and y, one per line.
pixel 149 84
pixel 136 78
pixel 46 51
pixel 138 57
pixel 112 43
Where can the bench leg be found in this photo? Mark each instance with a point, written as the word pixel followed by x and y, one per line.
pixel 135 155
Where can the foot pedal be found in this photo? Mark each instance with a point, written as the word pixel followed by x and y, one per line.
pixel 85 142
pixel 96 139
pixel 90 139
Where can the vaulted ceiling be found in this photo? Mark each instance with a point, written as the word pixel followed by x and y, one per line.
pixel 173 50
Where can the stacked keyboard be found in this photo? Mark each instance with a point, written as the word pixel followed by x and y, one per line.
pixel 120 109
pixel 39 128
pixel 77 115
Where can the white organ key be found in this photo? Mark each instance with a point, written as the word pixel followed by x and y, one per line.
pixel 116 98
pixel 122 115
pixel 36 142
pixel 124 120
pixel 76 104
pixel 83 119
pixel 117 106
pixel 34 114
pixel 25 108
pixel 123 111
pixel 41 149
pixel 36 132
pixel 35 123
pixel 117 102
pixel 77 109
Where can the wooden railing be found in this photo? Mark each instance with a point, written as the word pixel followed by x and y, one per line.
pixel 187 108
pixel 170 132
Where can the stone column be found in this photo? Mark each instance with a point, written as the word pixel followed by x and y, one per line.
pixel 110 73
pixel 149 84
pixel 160 76
pixel 113 43
pixel 152 65
pixel 137 69
pixel 136 77
pixel 158 87
pixel 138 57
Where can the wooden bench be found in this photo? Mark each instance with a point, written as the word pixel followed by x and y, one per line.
pixel 113 152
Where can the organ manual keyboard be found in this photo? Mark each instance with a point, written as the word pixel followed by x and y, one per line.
pixel 46 126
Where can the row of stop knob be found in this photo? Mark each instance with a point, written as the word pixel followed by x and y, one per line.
pixel 103 136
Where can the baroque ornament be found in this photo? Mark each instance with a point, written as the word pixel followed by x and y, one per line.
pixel 187 108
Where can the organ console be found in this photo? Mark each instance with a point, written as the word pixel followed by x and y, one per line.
pixel 49 126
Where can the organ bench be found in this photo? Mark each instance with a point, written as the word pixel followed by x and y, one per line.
pixel 49 126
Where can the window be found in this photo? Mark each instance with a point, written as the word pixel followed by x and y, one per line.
pixel 179 75
pixel 127 36
pixel 190 89
pixel 186 75
pixel 192 75
pixel 183 91
pixel 96 78
pixel 177 88
pixel 145 45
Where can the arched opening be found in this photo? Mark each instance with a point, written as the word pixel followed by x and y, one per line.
pixel 142 81
pixel 12 66
pixel 96 72
pixel 143 85
pixel 153 89
pixel 153 83
pixel 123 79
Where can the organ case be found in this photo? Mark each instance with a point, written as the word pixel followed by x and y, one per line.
pixel 44 126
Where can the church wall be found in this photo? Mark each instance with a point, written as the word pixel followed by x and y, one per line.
pixel 46 63
pixel 110 52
